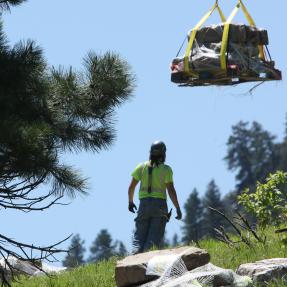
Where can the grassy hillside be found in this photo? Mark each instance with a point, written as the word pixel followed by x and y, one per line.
pixel 102 274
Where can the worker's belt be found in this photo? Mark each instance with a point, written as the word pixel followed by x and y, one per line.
pixel 153 194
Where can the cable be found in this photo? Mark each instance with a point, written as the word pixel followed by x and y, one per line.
pixel 181 47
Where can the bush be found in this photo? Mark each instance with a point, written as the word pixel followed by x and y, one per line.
pixel 268 203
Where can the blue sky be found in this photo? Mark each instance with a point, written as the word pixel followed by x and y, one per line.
pixel 194 122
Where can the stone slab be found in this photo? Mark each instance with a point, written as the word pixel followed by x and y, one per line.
pixel 131 271
pixel 264 270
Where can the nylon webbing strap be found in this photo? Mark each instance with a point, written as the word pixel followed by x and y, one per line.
pixel 225 36
pixel 193 35
pixel 252 23
pixel 150 168
pixel 224 43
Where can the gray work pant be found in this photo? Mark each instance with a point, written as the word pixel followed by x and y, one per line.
pixel 150 224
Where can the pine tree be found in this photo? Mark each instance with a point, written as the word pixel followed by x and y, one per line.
pixel 103 247
pixel 45 112
pixel 282 151
pixel 285 130
pixel 230 203
pixel 192 228
pixel 211 220
pixel 75 256
pixel 121 249
pixel 175 241
pixel 7 4
pixel 165 242
pixel 252 153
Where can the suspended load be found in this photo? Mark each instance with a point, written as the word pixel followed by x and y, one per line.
pixel 225 54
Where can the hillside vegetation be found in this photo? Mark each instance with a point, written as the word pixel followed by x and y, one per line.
pixel 102 274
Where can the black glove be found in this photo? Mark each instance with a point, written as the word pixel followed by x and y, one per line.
pixel 179 214
pixel 169 215
pixel 132 206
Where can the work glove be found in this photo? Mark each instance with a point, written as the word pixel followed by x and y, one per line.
pixel 132 207
pixel 179 214
pixel 169 215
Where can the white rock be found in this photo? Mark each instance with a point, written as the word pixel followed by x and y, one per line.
pixel 27 268
pixel 264 270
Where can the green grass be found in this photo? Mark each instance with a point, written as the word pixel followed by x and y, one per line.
pixel 92 275
pixel 102 274
pixel 231 257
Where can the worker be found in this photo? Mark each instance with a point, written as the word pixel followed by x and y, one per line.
pixel 155 178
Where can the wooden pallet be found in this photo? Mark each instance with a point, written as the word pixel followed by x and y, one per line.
pixel 227 80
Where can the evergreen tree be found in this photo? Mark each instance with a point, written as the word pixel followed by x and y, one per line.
pixel 75 257
pixel 211 220
pixel 251 153
pixel 103 247
pixel 230 203
pixel 121 249
pixel 175 241
pixel 165 242
pixel 7 4
pixel 192 228
pixel 45 112
pixel 282 155
pixel 282 151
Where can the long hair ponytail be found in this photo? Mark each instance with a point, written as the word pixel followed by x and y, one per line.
pixel 155 160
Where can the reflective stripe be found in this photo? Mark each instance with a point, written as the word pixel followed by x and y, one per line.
pixel 154 194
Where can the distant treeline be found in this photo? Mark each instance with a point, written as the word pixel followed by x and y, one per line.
pixel 252 153
pixel 102 248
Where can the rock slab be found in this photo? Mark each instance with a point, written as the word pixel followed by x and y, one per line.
pixel 131 271
pixel 264 270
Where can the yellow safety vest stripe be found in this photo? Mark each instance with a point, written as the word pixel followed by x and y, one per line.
pixel 156 192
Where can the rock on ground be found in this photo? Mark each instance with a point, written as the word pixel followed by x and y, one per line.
pixel 26 268
pixel 264 270
pixel 131 271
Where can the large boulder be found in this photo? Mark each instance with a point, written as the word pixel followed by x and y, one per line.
pixel 132 270
pixel 264 270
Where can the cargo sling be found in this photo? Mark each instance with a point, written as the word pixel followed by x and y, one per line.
pixel 193 35
pixel 223 60
pixel 223 55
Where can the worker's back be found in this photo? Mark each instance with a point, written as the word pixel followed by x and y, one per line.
pixel 161 175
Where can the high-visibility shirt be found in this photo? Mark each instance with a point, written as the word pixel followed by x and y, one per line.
pixel 161 175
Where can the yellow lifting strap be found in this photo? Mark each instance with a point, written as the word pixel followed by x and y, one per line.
pixel 193 34
pixel 226 33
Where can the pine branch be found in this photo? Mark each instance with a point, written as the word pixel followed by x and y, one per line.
pixel 6 4
pixel 245 240
pixel 44 253
pixel 248 226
